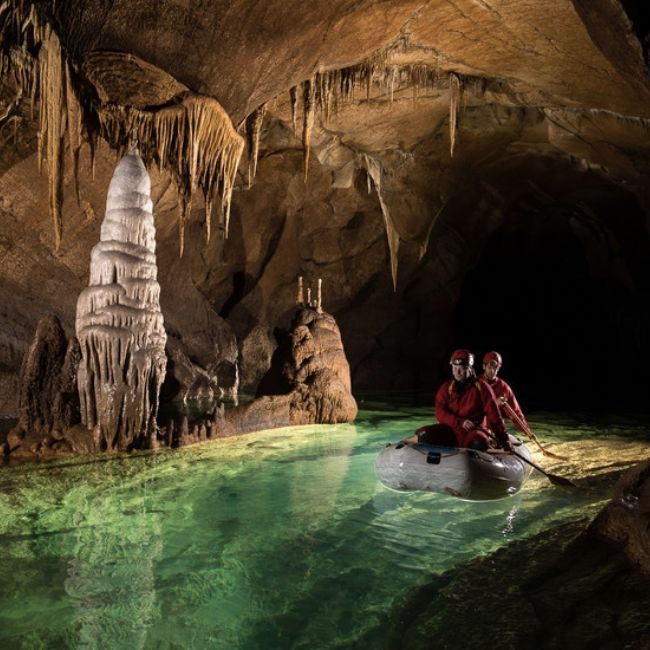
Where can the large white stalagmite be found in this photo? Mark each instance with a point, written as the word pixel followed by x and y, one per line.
pixel 119 322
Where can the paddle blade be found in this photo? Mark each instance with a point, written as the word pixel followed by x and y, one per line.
pixel 550 454
pixel 560 480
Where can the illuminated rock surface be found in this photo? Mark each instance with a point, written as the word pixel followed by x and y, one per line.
pixel 310 367
pixel 119 322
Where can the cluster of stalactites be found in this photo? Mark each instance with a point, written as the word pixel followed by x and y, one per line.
pixel 326 91
pixel 194 139
pixel 32 54
pixel 119 323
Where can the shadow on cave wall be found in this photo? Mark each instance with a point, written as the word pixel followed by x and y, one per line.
pixel 562 290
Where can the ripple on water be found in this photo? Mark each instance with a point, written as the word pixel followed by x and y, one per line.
pixel 277 539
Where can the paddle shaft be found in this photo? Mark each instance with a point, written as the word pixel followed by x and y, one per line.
pixel 526 429
pixel 553 478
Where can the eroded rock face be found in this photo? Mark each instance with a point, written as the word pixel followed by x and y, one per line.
pixel 561 86
pixel 48 401
pixel 48 380
pixel 625 521
pixel 311 368
pixel 119 322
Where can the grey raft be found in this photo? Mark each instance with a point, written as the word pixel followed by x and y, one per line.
pixel 464 473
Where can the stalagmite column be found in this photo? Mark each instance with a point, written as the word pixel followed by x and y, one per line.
pixel 300 298
pixel 319 297
pixel 119 323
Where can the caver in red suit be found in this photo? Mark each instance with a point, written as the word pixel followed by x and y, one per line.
pixel 502 391
pixel 470 400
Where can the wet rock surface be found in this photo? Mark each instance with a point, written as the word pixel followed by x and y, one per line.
pixel 583 584
pixel 626 520
pixel 311 369
pixel 561 589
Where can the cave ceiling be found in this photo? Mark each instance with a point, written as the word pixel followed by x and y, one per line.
pixel 528 84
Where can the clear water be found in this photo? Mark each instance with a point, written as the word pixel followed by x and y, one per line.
pixel 279 539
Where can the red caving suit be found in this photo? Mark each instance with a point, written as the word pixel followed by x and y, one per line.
pixel 501 389
pixel 472 400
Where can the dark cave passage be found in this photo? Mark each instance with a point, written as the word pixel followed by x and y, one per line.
pixel 561 289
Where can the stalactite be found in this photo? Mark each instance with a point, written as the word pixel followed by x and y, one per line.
pixel 424 244
pixel 331 88
pixel 253 130
pixel 194 140
pixel 52 123
pixel 454 101
pixel 374 172
pixel 184 208
pixel 309 101
pixel 119 323
pixel 75 132
pixel 40 70
pixel 293 95
pixel 393 76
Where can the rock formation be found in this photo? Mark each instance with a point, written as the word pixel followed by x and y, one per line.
pixel 310 368
pixel 48 393
pixel 546 106
pixel 625 521
pixel 571 586
pixel 48 399
pixel 119 322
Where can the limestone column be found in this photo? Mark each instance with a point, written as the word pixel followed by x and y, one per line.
pixel 119 323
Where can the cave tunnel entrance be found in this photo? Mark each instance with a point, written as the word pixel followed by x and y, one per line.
pixel 562 290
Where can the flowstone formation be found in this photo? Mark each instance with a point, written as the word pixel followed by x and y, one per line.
pixel 309 367
pixel 119 323
pixel 308 383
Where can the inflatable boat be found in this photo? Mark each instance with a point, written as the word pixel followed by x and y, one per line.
pixel 463 473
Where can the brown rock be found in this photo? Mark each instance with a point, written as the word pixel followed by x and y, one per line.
pixel 625 521
pixel 14 439
pixel 310 367
pixel 48 395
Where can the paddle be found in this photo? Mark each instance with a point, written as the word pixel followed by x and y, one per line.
pixel 526 429
pixel 553 478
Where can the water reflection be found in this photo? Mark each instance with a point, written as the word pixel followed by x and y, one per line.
pixel 111 574
pixel 278 539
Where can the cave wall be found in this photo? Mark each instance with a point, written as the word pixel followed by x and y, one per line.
pixel 552 127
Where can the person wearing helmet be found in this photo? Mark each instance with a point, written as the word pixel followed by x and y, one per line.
pixel 462 404
pixel 492 363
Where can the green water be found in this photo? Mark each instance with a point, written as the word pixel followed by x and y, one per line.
pixel 280 539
